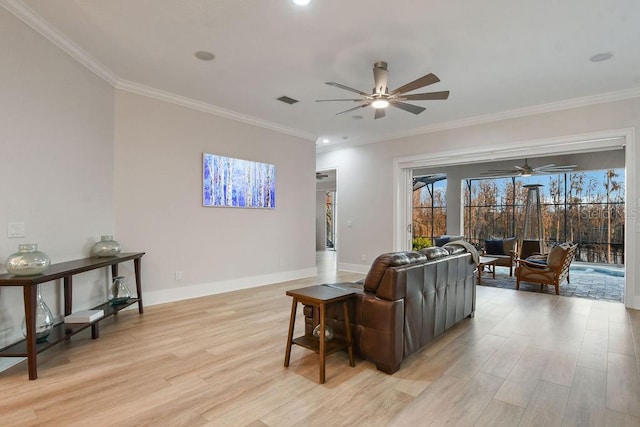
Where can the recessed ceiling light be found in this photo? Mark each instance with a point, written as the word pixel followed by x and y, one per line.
pixel 345 137
pixel 603 56
pixel 301 2
pixel 357 117
pixel 204 55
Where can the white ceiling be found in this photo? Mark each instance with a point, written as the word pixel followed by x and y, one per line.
pixel 495 57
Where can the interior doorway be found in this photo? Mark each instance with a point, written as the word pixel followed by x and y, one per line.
pixel 326 220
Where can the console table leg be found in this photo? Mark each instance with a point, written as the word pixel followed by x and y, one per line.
pixel 68 295
pixel 136 267
pixel 30 321
pixel 95 331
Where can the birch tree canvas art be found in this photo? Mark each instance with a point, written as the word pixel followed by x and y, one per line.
pixel 239 183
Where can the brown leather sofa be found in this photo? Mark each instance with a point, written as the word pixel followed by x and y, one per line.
pixel 406 300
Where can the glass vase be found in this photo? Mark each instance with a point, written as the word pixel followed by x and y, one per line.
pixel 44 320
pixel 106 247
pixel 28 261
pixel 328 333
pixel 119 293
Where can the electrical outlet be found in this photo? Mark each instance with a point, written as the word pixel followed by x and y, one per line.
pixel 178 275
pixel 364 257
pixel 16 229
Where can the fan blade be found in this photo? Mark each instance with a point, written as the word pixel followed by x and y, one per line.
pixel 354 100
pixel 350 89
pixel 407 107
pixel 427 80
pixel 353 109
pixel 494 171
pixel 560 168
pixel 503 170
pixel 379 113
pixel 426 96
pixel 551 165
pixel 380 77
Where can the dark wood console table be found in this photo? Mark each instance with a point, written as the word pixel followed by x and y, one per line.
pixel 66 270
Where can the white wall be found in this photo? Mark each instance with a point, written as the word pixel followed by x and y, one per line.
pixel 56 145
pixel 158 187
pixel 366 184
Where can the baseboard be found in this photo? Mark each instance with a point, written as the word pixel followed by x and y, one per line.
pixel 212 288
pixel 632 301
pixel 355 268
pixel 7 362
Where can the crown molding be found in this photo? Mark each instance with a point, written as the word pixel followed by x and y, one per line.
pixel 35 21
pixel 184 101
pixel 39 24
pixel 566 104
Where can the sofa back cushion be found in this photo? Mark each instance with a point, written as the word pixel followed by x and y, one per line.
pixel 556 256
pixel 384 261
pixel 434 252
pixel 498 246
pixel 493 247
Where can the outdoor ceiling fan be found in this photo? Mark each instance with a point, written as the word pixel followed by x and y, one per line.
pixel 526 170
pixel 380 98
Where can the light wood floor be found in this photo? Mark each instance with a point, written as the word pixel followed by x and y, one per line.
pixel 525 359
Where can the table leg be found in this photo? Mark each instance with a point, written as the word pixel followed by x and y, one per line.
pixel 323 314
pixel 95 331
pixel 292 322
pixel 136 267
pixel 347 329
pixel 68 295
pixel 480 268
pixel 30 320
pixel 493 270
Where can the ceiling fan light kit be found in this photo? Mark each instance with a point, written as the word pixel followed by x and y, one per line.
pixel 380 98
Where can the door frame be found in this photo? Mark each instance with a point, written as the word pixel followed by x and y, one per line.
pixel 582 143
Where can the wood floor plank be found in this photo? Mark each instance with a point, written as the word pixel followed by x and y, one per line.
pixel 623 385
pixel 500 414
pixel 519 386
pixel 587 398
pixel 547 405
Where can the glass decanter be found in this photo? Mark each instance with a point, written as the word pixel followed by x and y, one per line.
pixel 119 293
pixel 44 320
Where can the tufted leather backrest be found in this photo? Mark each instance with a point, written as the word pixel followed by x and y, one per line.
pixel 384 261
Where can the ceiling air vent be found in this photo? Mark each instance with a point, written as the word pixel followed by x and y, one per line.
pixel 287 100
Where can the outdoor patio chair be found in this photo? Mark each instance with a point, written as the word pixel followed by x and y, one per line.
pixel 551 271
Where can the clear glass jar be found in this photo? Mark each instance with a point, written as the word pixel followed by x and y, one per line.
pixel 106 247
pixel 328 333
pixel 28 261
pixel 119 293
pixel 44 320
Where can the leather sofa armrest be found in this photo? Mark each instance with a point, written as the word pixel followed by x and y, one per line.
pixel 382 332
pixel 390 288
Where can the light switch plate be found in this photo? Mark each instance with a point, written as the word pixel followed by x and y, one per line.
pixel 16 229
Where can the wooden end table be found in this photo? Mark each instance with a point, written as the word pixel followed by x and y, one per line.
pixel 490 263
pixel 319 296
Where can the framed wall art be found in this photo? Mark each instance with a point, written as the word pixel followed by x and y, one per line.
pixel 230 182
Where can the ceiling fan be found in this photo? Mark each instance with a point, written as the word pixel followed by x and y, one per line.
pixel 526 170
pixel 381 98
